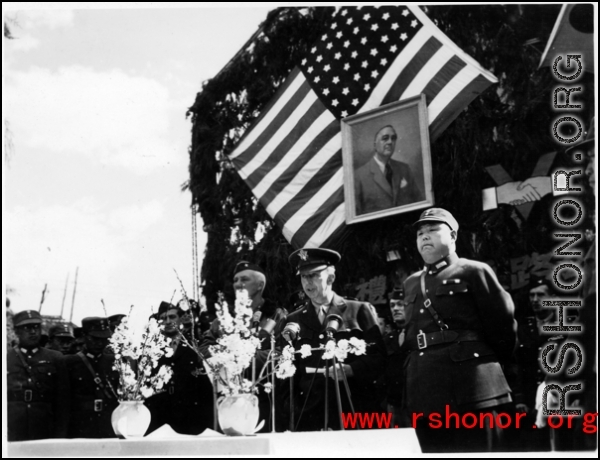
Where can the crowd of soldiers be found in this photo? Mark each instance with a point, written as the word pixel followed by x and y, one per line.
pixel 452 343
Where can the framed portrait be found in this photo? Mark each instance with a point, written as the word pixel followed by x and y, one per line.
pixel 387 161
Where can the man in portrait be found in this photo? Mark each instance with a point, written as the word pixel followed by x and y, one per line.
pixel 382 182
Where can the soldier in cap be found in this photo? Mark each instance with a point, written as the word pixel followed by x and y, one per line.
pixel 316 268
pixel 93 383
pixel 397 350
pixel 61 338
pixel 79 341
pixel 37 384
pixel 115 320
pixel 460 327
pixel 186 404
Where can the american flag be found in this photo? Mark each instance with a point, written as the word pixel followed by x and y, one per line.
pixel 291 157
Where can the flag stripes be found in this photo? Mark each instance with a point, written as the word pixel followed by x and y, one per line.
pixel 291 157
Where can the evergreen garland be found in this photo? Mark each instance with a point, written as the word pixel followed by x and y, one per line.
pixel 508 125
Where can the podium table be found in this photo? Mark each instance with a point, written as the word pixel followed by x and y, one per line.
pixel 400 442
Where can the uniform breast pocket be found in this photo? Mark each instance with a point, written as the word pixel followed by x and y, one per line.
pixel 452 286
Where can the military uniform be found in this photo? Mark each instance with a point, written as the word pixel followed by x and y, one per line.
pixel 460 327
pixel 359 320
pixel 37 393
pixel 187 402
pixel 459 366
pixel 92 395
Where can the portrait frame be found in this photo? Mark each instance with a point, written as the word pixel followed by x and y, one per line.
pixel 409 187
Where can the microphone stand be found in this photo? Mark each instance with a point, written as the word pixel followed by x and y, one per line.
pixel 337 388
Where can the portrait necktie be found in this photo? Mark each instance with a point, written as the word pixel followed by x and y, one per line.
pixel 388 173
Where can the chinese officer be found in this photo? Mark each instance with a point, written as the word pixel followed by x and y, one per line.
pixel 460 327
pixel 37 384
pixel 93 383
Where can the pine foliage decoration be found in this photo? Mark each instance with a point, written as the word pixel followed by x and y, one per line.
pixel 508 125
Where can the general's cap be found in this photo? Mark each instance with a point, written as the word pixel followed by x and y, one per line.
pixel 27 317
pixel 96 326
pixel 313 259
pixel 437 215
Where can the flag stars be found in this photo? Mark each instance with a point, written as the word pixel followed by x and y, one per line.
pixel 344 12
pixel 326 91
pixel 374 74
pixel 334 103
pixel 414 23
pixel 384 61
pixel 354 54
pixel 385 16
pixel 355 30
pixel 364 64
pixel 338 55
pixel 374 52
pixel 346 66
pixel 313 49
pixel 405 13
pixel 349 21
pixel 327 68
pixel 374 27
pixel 329 45
pixel 345 91
pixel 393 48
pixel 344 113
pixel 366 17
pixel 319 58
pixel 317 79
pixel 335 80
pixel 403 36
pixel 395 26
pixel 334 25
pixel 367 87
pixel 339 34
pixel 346 43
pixel 354 102
pixel 384 39
pixel 363 40
pixel 310 69
pixel 304 61
pixel 356 77
pixel 323 38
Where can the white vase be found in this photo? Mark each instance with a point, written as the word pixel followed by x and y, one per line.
pixel 130 419
pixel 238 414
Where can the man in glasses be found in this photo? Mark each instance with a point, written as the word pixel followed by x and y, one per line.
pixel 37 384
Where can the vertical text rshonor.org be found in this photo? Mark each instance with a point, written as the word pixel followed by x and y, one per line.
pixel 566 223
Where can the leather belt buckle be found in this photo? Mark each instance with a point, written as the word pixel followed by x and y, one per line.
pixel 421 340
pixel 28 395
pixel 98 405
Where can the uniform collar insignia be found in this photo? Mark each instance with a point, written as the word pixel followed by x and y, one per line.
pixel 439 265
pixel 32 351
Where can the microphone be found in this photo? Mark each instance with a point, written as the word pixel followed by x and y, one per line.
pixel 333 322
pixel 256 319
pixel 291 332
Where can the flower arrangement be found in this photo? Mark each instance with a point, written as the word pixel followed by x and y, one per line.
pixel 236 348
pixel 136 360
